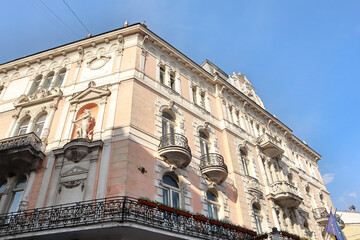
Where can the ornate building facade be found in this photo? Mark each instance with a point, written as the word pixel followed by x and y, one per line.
pixel 89 127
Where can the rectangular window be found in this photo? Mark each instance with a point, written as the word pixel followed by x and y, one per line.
pixel 172 81
pixel 194 95
pixel 162 74
pixel 202 102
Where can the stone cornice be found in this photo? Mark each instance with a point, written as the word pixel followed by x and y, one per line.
pixel 166 47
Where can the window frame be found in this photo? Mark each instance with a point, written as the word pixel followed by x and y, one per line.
pixel 211 204
pixel 170 190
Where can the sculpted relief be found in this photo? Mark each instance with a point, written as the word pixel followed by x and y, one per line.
pixel 83 130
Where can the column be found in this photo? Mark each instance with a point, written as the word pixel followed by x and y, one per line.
pixel 267 170
pixel 25 197
pixel 273 172
pixel 70 124
pixel 104 168
pixel 48 121
pixel 54 183
pixel 112 110
pixel 100 118
pixel 31 125
pixel 89 187
pixel 12 125
pixel 46 181
pixel 62 120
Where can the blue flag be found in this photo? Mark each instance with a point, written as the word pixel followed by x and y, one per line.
pixel 333 228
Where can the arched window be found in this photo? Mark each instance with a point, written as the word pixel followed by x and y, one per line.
pixel 213 205
pixel 172 81
pixel 60 78
pixel 23 126
pixel 171 191
pixel 168 124
pixel 48 80
pixel 162 74
pixel 245 162
pixel 17 193
pixel 35 84
pixel 256 209
pixel 204 143
pixel 39 125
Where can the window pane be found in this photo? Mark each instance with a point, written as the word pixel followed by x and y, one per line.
pixel 175 199
pixel 15 201
pixel 210 210
pixel 39 128
pixel 211 196
pixel 3 186
pixel 170 181
pixel 61 78
pixel 20 184
pixel 215 212
pixel 165 196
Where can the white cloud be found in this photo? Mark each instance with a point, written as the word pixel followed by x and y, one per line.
pixel 328 177
pixel 353 195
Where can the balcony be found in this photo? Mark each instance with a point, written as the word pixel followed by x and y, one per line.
pixel 252 184
pixel 285 194
pixel 321 215
pixel 20 154
pixel 213 167
pixel 270 145
pixel 123 217
pixel 175 150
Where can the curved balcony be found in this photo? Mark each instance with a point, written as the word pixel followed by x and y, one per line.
pixel 285 194
pixel 213 167
pixel 252 184
pixel 270 145
pixel 20 153
pixel 321 216
pixel 175 150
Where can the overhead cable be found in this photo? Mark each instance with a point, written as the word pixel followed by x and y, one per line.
pixel 77 17
pixel 60 19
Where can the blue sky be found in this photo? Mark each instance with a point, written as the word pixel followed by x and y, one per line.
pixel 303 58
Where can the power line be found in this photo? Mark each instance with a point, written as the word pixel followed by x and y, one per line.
pixel 77 17
pixel 60 19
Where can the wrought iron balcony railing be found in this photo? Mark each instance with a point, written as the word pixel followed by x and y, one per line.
pixel 320 213
pixel 119 209
pixel 212 165
pixel 212 160
pixel 174 140
pixel 175 150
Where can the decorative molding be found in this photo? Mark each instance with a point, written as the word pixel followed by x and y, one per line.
pixel 98 62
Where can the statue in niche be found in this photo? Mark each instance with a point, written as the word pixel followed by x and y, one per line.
pixel 83 129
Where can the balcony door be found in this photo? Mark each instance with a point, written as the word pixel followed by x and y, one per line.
pixel 204 143
pixel 168 127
